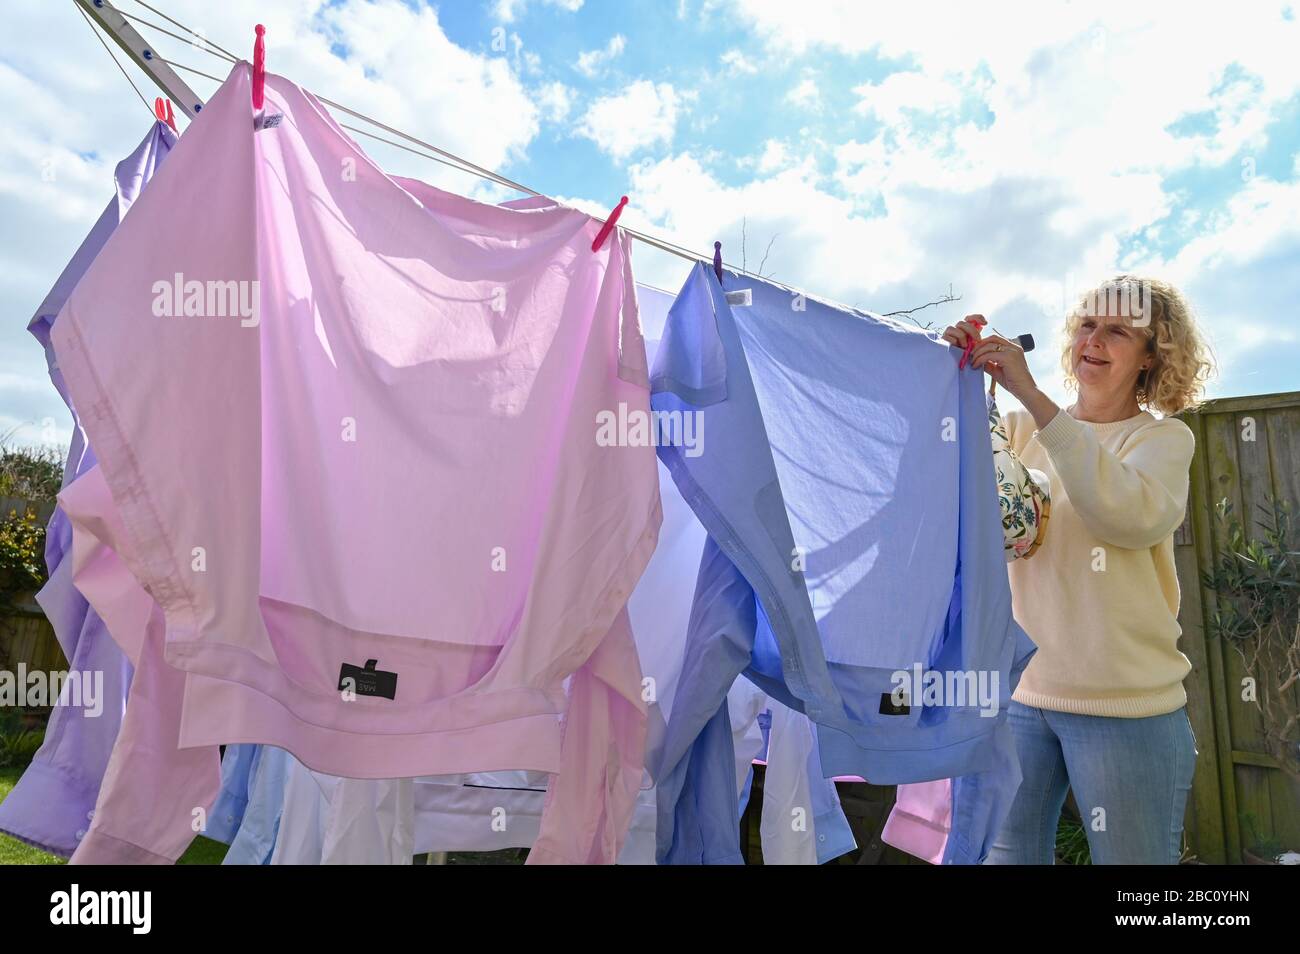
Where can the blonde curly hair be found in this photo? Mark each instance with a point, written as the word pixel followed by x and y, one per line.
pixel 1182 361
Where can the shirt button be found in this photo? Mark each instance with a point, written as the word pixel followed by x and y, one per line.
pixel 80 834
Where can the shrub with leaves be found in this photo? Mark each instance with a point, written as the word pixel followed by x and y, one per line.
pixel 32 476
pixel 32 473
pixel 1257 584
pixel 22 554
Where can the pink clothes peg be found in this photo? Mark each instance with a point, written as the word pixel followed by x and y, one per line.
pixel 609 225
pixel 162 108
pixel 970 342
pixel 259 67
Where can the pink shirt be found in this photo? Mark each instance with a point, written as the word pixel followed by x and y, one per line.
pixel 343 419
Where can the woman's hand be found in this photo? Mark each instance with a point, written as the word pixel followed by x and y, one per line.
pixel 1005 363
pixel 1003 360
pixel 965 330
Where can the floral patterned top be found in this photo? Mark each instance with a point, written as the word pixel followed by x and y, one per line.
pixel 1023 494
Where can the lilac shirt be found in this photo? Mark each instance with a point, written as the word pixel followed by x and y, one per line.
pixel 53 803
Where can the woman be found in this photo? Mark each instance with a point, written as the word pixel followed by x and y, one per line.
pixel 1101 707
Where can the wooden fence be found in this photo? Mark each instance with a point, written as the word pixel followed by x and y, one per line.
pixel 1247 449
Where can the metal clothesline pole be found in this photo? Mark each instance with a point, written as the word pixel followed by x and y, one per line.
pixel 111 21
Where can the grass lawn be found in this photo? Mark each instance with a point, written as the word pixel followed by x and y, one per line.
pixel 202 851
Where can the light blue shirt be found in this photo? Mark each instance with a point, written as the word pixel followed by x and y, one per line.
pixel 227 814
pixel 847 485
pixel 246 814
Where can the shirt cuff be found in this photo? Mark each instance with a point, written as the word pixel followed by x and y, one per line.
pixel 1060 432
pixel 98 848
pixel 834 836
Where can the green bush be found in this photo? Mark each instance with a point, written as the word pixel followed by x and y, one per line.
pixel 32 473
pixel 1256 582
pixel 22 554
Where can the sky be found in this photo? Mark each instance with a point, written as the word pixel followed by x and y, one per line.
pixel 1009 155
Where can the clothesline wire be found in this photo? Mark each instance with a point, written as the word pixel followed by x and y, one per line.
pixel 458 163
pixel 469 166
pixel 402 146
pixel 371 135
pixel 661 244
pixel 449 158
pixel 200 36
pixel 111 56
pixel 355 129
pixel 207 46
pixel 190 42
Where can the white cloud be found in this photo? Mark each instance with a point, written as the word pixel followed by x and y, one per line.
pixel 738 63
pixel 775 155
pixel 643 114
pixel 593 62
pixel 805 95
pixel 507 11
pixel 1018 152
pixel 556 101
pixel 1260 222
pixel 1071 86
pixel 910 89
pixel 814 235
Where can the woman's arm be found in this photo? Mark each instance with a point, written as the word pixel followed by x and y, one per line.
pixel 1132 503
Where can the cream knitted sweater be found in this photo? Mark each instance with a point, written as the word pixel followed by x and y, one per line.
pixel 1100 597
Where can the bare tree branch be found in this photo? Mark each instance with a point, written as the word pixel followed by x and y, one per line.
pixel 907 312
pixel 929 304
pixel 766 254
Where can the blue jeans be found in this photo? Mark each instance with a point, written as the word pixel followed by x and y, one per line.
pixel 1130 779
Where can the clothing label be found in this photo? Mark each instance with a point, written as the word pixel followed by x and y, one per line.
pixel 743 297
pixel 368 681
pixel 889 707
pixel 268 122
